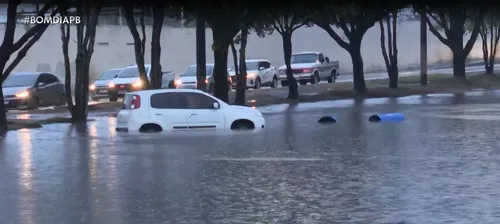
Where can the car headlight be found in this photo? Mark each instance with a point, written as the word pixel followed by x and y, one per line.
pixel 23 94
pixel 178 82
pixel 206 81
pixel 92 87
pixel 137 84
pixel 111 85
pixel 250 75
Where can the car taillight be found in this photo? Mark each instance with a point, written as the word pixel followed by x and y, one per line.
pixel 306 70
pixel 136 102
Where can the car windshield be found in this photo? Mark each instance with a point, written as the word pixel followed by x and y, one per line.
pixel 191 71
pixel 303 58
pixel 109 74
pixel 20 80
pixel 251 65
pixel 131 72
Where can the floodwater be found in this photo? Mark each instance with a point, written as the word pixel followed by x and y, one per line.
pixel 438 166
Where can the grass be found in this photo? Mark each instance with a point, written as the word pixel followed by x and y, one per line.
pixel 17 124
pixel 377 89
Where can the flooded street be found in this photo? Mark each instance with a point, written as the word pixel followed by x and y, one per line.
pixel 438 166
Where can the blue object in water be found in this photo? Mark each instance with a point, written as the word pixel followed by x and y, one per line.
pixel 327 119
pixel 387 117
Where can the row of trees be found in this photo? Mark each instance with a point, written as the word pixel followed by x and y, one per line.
pixel 232 23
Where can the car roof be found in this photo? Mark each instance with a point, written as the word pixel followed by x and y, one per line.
pixel 208 64
pixel 29 73
pixel 307 52
pixel 135 66
pixel 153 91
pixel 256 60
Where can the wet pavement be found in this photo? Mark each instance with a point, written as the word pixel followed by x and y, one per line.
pixel 434 167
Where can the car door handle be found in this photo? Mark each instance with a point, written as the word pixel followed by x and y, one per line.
pixel 158 114
pixel 194 114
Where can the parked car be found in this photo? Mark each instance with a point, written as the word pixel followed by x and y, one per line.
pixel 187 80
pixel 260 72
pixel 311 67
pixel 168 80
pixel 181 109
pixel 99 89
pixel 31 90
pixel 126 81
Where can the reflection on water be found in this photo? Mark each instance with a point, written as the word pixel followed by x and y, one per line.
pixel 94 148
pixel 293 171
pixel 27 202
pixel 23 116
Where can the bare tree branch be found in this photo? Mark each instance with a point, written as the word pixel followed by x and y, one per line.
pixel 434 31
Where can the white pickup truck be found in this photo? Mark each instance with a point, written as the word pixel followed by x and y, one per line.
pixel 311 67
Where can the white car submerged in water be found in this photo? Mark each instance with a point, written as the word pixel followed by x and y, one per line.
pixel 180 109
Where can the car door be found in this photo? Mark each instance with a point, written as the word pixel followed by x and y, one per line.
pixel 169 110
pixel 54 88
pixel 323 68
pixel 202 113
pixel 43 90
pixel 269 71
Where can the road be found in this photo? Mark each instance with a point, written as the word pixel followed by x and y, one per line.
pixel 439 166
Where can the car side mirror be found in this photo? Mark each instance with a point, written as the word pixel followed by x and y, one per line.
pixel 40 84
pixel 216 106
pixel 262 68
pixel 327 59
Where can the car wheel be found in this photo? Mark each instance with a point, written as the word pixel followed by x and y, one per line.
pixel 274 84
pixel 284 83
pixel 315 78
pixel 303 83
pixel 113 98
pixel 62 100
pixel 332 77
pixel 33 104
pixel 257 83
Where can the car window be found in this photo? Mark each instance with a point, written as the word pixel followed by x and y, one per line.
pixel 14 80
pixel 110 74
pixel 266 64
pixel 304 58
pixel 168 101
pixel 131 72
pixel 49 78
pixel 191 71
pixel 198 101
pixel 43 79
pixel 321 58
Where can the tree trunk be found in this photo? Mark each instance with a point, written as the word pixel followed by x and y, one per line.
pixel 357 67
pixel 200 53
pixel 458 61
pixel 138 44
pixel 483 33
pixel 241 84
pixel 235 60
pixel 85 47
pixel 220 48
pixel 293 87
pixel 156 74
pixel 3 115
pixel 65 36
pixel 423 50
